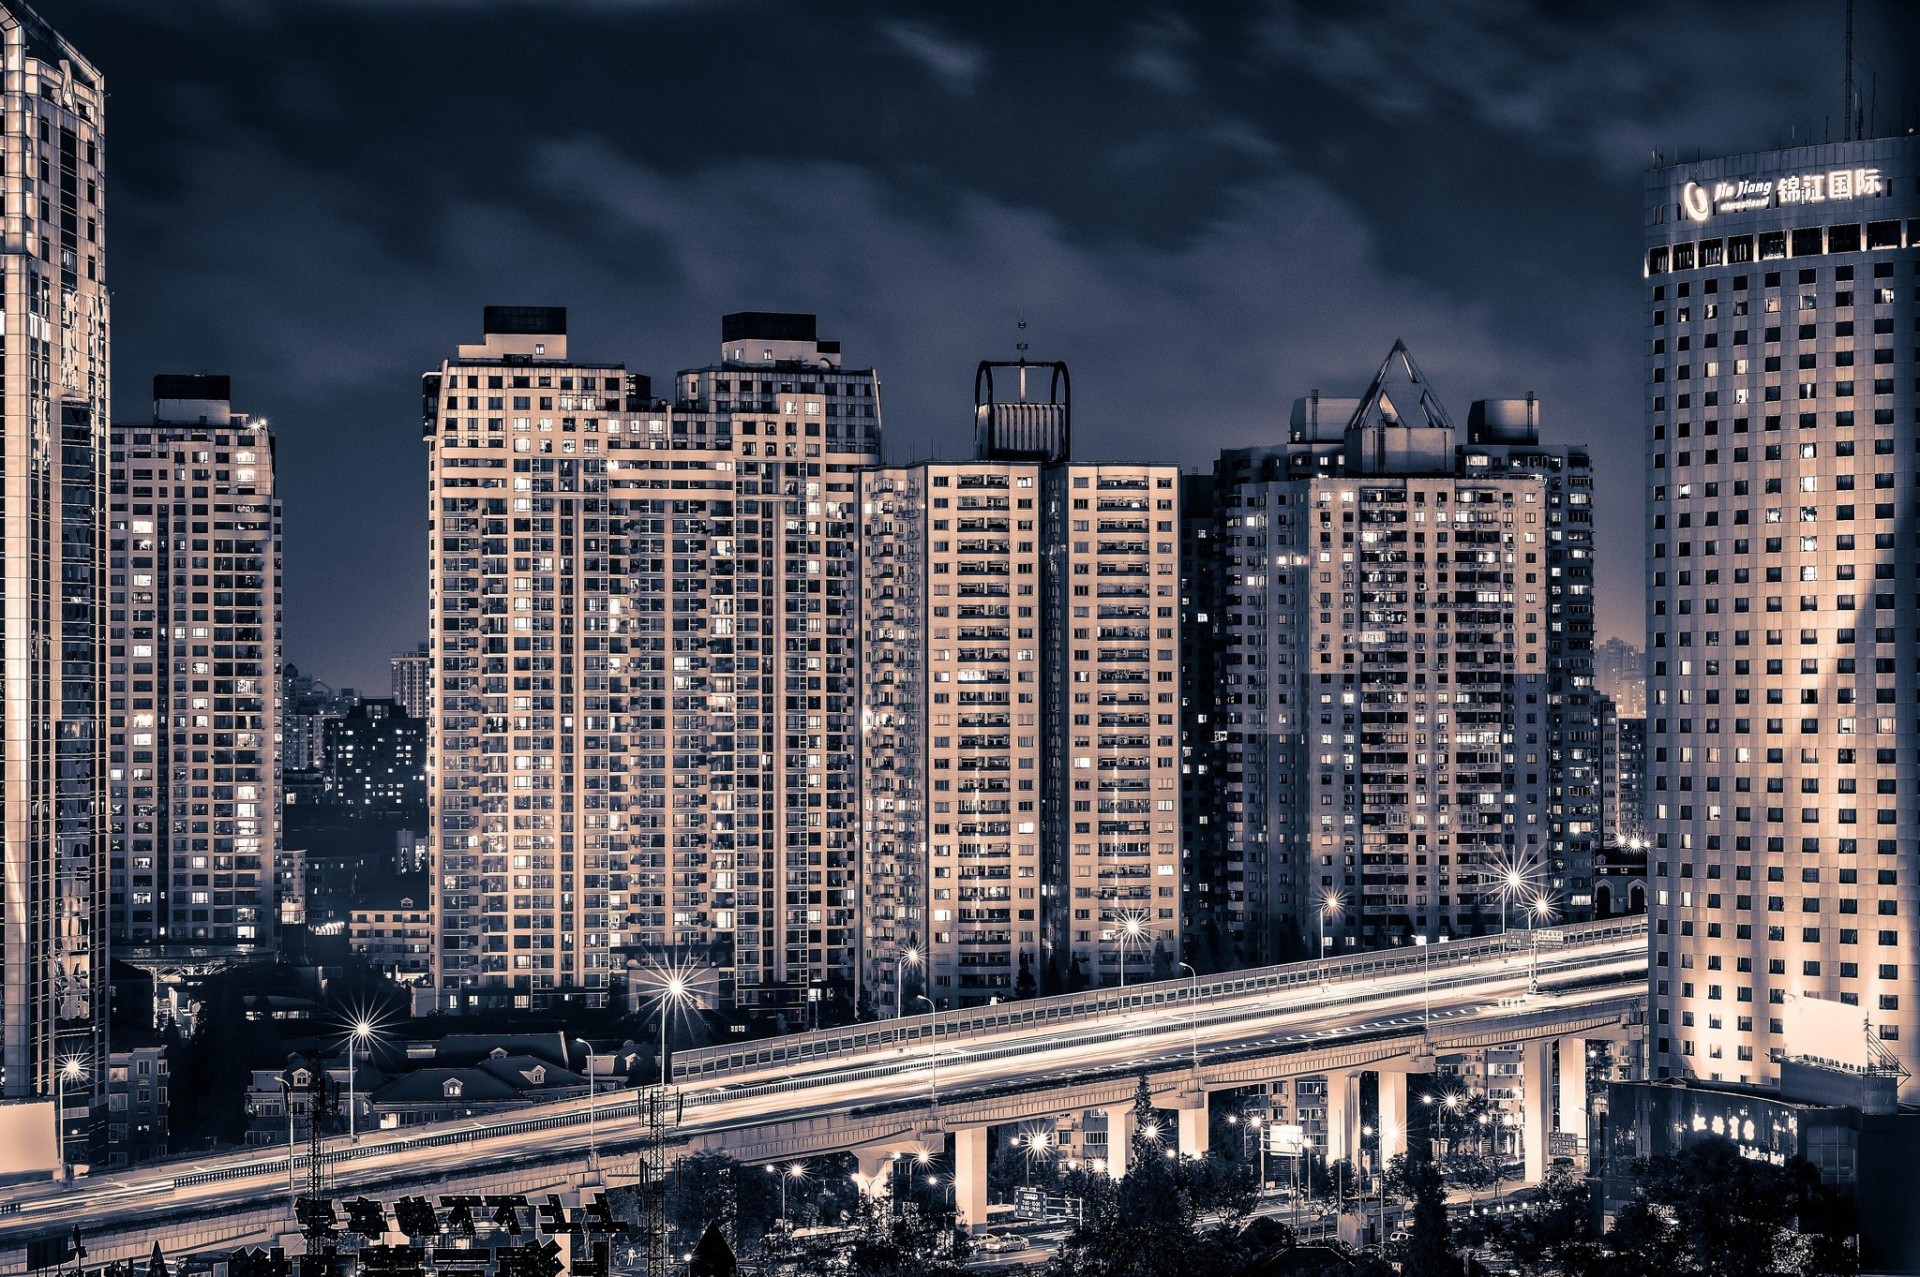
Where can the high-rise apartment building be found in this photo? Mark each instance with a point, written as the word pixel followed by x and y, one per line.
pixel 1209 905
pixel 1783 669
pixel 644 700
pixel 53 453
pixel 409 671
pixel 1020 630
pixel 1405 685
pixel 194 688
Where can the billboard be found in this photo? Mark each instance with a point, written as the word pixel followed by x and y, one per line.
pixel 28 1147
pixel 1822 1030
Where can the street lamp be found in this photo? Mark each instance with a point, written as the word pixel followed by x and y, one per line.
pixel 1515 878
pixel 1132 928
pixel 71 1069
pixel 286 1087
pixel 1039 1144
pixel 787 1175
pixel 909 957
pixel 1194 1018
pixel 675 992
pixel 1330 903
pixel 358 1037
pixel 1541 910
pixel 933 1060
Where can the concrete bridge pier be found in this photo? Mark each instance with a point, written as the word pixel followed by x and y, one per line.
pixel 1573 1089
pixel 1392 1119
pixel 1119 1138
pixel 1536 1109
pixel 970 1176
pixel 875 1176
pixel 1343 1108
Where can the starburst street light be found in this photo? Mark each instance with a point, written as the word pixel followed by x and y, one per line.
pixel 907 957
pixel 1039 1145
pixel 1131 930
pixel 1330 904
pixel 788 1174
pixel 675 986
pixel 1515 877
pixel 364 1027
pixel 1539 910
pixel 72 1068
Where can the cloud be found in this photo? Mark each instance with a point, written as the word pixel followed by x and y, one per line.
pixel 955 62
pixel 1159 52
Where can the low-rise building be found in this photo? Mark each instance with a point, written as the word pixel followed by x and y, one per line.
pixel 137 1105
pixel 395 935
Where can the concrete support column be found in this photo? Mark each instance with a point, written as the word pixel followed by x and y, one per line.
pixel 1119 1138
pixel 970 1176
pixel 1536 1110
pixel 875 1176
pixel 1393 1115
pixel 1342 1108
pixel 1573 1088
pixel 1194 1132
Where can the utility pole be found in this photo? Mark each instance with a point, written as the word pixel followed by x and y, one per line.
pixel 660 1109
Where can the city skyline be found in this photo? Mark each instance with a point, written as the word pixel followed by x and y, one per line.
pixel 1221 251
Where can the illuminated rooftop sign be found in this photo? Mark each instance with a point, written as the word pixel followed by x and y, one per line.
pixel 1746 194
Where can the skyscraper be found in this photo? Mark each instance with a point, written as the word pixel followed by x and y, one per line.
pixel 1020 624
pixel 1406 619
pixel 642 742
pixel 53 441
pixel 194 689
pixel 1782 661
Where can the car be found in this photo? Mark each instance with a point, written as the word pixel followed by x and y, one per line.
pixel 1014 1241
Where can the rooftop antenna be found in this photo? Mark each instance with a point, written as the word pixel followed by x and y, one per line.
pixel 1846 104
pixel 1020 346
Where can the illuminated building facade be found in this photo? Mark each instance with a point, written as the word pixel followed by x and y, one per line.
pixel 1020 635
pixel 53 454
pixel 194 687
pixel 1020 767
pixel 1406 681
pixel 644 699
pixel 1782 742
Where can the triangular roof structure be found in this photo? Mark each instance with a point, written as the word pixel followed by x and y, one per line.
pixel 1400 396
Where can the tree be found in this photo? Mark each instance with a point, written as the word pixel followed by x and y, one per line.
pixel 1429 1249
pixel 1023 984
pixel 1736 1216
pixel 1557 1234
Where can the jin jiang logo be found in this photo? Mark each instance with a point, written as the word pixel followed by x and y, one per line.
pixel 1743 195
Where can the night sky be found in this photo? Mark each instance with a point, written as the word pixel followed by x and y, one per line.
pixel 1206 210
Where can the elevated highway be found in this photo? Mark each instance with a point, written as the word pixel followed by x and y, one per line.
pixel 888 1088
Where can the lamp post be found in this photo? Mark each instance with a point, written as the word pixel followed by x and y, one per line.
pixel 1193 1020
pixel 357 1038
pixel 70 1070
pixel 1131 929
pixel 1513 880
pixel 1329 904
pixel 286 1088
pixel 673 993
pixel 791 1173
pixel 593 1135
pixel 902 960
pixel 933 1060
pixel 1541 910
